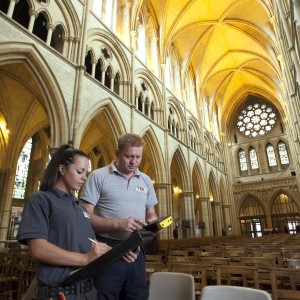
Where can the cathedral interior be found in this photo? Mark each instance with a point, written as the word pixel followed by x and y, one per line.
pixel 211 86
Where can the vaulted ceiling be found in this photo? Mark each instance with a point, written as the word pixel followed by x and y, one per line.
pixel 229 44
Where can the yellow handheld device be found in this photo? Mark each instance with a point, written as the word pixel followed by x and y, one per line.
pixel 159 224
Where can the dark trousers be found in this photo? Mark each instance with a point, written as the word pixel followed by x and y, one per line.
pixel 123 281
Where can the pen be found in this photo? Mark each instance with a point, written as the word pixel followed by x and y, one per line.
pixel 95 242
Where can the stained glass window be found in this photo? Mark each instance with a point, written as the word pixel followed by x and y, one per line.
pixel 283 154
pixel 256 120
pixel 243 160
pixel 271 155
pixel 90 166
pixel 253 158
pixel 22 171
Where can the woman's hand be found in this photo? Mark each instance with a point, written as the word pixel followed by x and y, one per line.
pixel 42 250
pixel 97 250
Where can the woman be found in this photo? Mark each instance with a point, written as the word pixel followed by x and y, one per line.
pixel 57 228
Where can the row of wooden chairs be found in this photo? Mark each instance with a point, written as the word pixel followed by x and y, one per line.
pixel 212 261
pixel 250 263
pixel 281 283
pixel 285 283
pixel 16 273
pixel 257 245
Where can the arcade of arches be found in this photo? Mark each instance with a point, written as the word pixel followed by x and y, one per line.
pixel 212 88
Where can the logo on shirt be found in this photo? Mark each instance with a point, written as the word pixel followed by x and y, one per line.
pixel 141 189
pixel 86 214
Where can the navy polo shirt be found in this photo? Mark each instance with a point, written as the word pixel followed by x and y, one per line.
pixel 58 218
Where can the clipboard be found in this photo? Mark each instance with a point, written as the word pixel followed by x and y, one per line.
pixel 137 238
pixel 159 224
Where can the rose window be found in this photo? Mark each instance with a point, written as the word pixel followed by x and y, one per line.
pixel 256 120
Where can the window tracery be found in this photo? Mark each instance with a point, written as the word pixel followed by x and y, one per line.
pixel 144 102
pixel 256 120
pixel 173 123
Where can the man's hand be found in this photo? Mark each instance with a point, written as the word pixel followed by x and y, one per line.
pixel 129 225
pixel 131 256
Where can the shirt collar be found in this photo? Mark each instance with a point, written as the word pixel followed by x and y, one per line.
pixel 61 194
pixel 113 169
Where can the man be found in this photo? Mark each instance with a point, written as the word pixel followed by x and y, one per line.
pixel 124 200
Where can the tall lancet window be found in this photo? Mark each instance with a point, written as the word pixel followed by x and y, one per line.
pixel 283 154
pixel 271 155
pixel 243 160
pixel 253 158
pixel 22 171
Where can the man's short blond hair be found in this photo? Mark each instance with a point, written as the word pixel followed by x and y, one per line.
pixel 130 139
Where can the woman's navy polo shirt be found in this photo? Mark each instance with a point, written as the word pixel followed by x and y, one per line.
pixel 58 218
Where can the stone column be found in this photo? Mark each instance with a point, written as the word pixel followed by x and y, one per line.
pixel 141 49
pixel 287 30
pixel 11 7
pixel 7 177
pixel 50 29
pixel 269 223
pixel 70 48
pixel 188 211
pixel 32 14
pixel 131 96
pixel 153 55
pixel 103 75
pixel 263 160
pixel 126 12
pixel 228 222
pixel 75 51
pixel 164 207
pixel 94 62
pixel 205 210
pixel 112 82
pixel 218 217
pixel 297 9
pixel 65 46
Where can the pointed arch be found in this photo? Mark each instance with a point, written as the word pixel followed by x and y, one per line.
pixel 180 170
pixel 223 192
pixel 152 156
pixel 51 96
pixel 97 39
pixel 199 188
pixel 285 192
pixel 213 186
pixel 152 85
pixel 114 125
pixel 198 179
pixel 251 195
pixel 284 209
pixel 252 215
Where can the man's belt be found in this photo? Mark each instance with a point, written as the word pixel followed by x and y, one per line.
pixel 73 289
